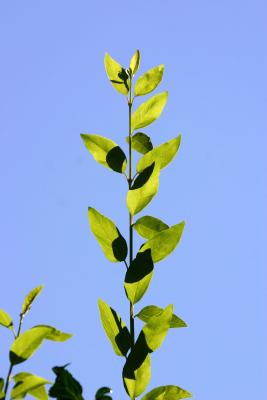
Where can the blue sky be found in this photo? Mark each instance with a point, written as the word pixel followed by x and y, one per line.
pixel 53 87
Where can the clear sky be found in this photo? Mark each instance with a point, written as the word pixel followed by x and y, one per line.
pixel 53 86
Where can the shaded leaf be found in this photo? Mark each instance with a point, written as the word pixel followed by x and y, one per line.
pixel 150 311
pixel 66 387
pixel 149 111
pixel 161 155
pixel 143 190
pixel 28 342
pixel 29 299
pixel 115 329
pixel 108 236
pixel 157 328
pixel 5 319
pixel 27 383
pixel 148 226
pixel 164 242
pixel 141 142
pixel 138 276
pixel 169 392
pixel 116 74
pixel 149 81
pixel 105 152
pixel 135 62
pixel 2 384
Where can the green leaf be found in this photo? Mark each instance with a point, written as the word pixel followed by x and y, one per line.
pixel 163 243
pixel 162 154
pixel 149 81
pixel 26 383
pixel 115 329
pixel 116 74
pixel 150 311
pixel 138 276
pixel 65 386
pixel 148 226
pixel 143 190
pixel 108 236
pixel 135 62
pixel 29 299
pixel 28 342
pixel 105 152
pixel 101 394
pixel 140 142
pixel 5 319
pixel 157 328
pixel 38 392
pixel 149 111
pixel 169 392
pixel 2 393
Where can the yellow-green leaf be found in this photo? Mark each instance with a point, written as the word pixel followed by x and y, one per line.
pixel 108 236
pixel 116 74
pixel 105 152
pixel 29 299
pixel 115 329
pixel 148 226
pixel 135 62
pixel 169 392
pixel 157 328
pixel 149 81
pixel 149 111
pixel 162 154
pixel 143 190
pixel 163 243
pixel 26 383
pixel 140 142
pixel 150 311
pixel 5 319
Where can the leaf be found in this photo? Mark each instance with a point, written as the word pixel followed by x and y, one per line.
pixel 5 319
pixel 169 392
pixel 149 111
pixel 149 81
pixel 65 386
pixel 140 142
pixel 157 328
pixel 161 155
pixel 150 311
pixel 148 226
pixel 163 243
pixel 105 152
pixel 28 342
pixel 116 74
pixel 29 299
pixel 2 393
pixel 135 62
pixel 108 236
pixel 143 190
pixel 26 383
pixel 38 392
pixel 138 276
pixel 115 329
pixel 101 394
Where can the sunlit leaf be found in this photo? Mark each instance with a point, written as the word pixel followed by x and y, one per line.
pixel 115 329
pixel 28 342
pixel 116 74
pixel 149 81
pixel 29 299
pixel 163 243
pixel 26 383
pixel 161 155
pixel 138 276
pixel 149 111
pixel 108 236
pixel 105 152
pixel 38 392
pixel 143 190
pixel 66 387
pixel 150 311
pixel 5 319
pixel 148 226
pixel 141 142
pixel 2 384
pixel 157 328
pixel 135 62
pixel 169 392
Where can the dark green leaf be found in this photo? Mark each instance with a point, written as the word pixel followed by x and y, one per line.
pixel 108 236
pixel 5 319
pixel 149 81
pixel 138 276
pixel 65 386
pixel 2 384
pixel 163 243
pixel 28 342
pixel 135 62
pixel 157 328
pixel 149 111
pixel 115 329
pixel 169 392
pixel 150 311
pixel 148 226
pixel 141 142
pixel 161 155
pixel 29 299
pixel 105 152
pixel 101 394
pixel 26 384
pixel 116 74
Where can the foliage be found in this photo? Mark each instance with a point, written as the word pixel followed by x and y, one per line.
pixel 161 239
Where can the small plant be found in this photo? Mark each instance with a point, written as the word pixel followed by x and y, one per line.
pixel 160 238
